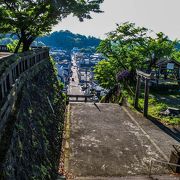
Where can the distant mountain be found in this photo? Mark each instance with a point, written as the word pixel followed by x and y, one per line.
pixel 67 40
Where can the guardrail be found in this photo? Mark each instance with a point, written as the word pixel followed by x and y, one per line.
pixel 3 48
pixel 153 161
pixel 11 80
pixel 36 47
pixel 79 98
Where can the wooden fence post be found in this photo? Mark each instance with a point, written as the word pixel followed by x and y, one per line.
pixel 138 85
pixel 146 96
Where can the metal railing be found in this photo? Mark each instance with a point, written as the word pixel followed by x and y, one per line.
pixel 153 161
pixel 3 48
pixel 79 98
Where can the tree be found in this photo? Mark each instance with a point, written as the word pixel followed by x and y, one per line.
pixel 28 19
pixel 123 46
pixel 176 55
pixel 129 48
pixel 105 74
pixel 157 48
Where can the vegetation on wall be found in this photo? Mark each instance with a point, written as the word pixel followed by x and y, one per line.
pixel 35 145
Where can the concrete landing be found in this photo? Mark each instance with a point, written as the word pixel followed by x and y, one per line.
pixel 153 177
pixel 4 54
pixel 106 142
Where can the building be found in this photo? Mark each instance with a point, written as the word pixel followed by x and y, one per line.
pixel 64 71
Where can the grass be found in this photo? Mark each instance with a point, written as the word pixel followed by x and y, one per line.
pixel 155 107
pixel 159 100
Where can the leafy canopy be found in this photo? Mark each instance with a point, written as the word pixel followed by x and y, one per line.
pixel 105 74
pixel 129 48
pixel 31 18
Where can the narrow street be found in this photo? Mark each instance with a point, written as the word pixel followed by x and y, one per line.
pixel 74 87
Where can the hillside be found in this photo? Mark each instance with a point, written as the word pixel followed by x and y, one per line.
pixel 67 40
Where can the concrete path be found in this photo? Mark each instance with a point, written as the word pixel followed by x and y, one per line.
pixel 4 54
pixel 142 177
pixel 107 141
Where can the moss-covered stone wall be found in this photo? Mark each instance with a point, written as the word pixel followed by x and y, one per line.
pixel 30 147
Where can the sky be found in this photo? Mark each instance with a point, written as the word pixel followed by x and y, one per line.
pixel 157 15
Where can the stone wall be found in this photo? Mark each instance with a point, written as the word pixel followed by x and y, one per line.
pixel 31 142
pixel 12 77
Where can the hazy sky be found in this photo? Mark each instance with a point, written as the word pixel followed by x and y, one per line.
pixel 157 15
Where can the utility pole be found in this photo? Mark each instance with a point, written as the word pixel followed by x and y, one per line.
pixel 86 79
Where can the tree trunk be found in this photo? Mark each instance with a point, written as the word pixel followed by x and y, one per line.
pixel 26 45
pixel 27 42
pixel 152 63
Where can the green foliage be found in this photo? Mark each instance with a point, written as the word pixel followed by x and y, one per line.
pixel 176 55
pixel 6 64
pixel 60 84
pixel 158 47
pixel 155 106
pixel 104 74
pixel 124 46
pixel 12 46
pixel 130 48
pixel 29 19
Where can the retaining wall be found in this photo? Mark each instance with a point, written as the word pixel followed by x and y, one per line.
pixel 12 79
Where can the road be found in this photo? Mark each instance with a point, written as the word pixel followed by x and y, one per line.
pixel 107 142
pixel 74 87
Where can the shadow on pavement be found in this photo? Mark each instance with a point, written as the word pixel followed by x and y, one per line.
pixel 97 106
pixel 174 132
